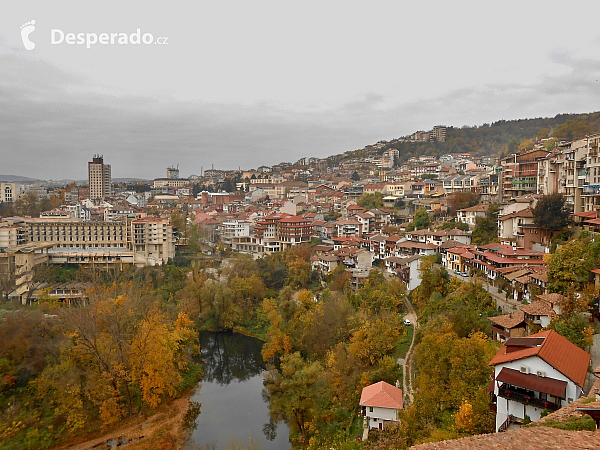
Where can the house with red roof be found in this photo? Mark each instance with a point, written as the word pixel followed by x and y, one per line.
pixel 543 371
pixel 380 403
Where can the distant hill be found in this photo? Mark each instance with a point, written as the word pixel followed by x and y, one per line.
pixel 128 180
pixel 502 137
pixel 13 178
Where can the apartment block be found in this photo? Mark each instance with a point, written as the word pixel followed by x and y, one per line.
pixel 520 173
pixel 99 178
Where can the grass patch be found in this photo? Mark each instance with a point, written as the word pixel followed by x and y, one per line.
pixel 192 376
pixel 588 400
pixel 403 343
pixel 257 326
pixel 585 423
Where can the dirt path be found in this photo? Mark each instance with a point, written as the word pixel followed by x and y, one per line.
pixel 163 430
pixel 407 364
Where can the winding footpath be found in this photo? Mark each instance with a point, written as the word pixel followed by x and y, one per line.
pixel 407 363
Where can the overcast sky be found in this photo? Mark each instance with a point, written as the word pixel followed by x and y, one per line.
pixel 247 83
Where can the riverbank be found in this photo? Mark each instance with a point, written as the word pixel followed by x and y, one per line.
pixel 163 430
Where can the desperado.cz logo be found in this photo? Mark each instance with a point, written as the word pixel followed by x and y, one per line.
pixel 58 37
pixel 136 38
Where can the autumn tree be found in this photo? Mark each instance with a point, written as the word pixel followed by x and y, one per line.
pixel 374 340
pixel 452 370
pixel 572 129
pixel 461 200
pixel 124 354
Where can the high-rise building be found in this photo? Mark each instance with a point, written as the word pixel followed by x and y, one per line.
pixel 99 178
pixel 173 173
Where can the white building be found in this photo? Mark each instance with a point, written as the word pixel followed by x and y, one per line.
pixel 9 192
pixel 543 371
pixel 406 268
pixel 380 403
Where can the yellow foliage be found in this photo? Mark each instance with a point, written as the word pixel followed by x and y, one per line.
pixel 464 417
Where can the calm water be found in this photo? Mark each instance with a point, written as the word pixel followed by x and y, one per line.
pixel 233 410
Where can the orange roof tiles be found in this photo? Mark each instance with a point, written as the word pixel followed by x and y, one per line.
pixel 508 320
pixel 524 438
pixel 538 308
pixel 381 395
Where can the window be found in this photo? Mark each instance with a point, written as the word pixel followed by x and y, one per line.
pixel 371 409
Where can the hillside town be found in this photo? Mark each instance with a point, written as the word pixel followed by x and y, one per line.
pixel 477 219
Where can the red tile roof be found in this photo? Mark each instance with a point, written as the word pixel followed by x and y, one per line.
pixel 381 395
pixel 508 320
pixel 556 350
pixel 521 439
pixel 538 308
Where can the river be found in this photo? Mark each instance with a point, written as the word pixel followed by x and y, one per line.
pixel 233 411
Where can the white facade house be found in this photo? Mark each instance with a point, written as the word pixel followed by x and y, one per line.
pixel 380 403
pixel 406 268
pixel 470 215
pixel 543 371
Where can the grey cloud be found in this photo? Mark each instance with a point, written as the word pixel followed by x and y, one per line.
pixel 51 123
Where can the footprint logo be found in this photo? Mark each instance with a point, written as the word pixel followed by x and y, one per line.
pixel 26 29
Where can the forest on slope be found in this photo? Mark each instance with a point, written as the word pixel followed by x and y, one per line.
pixel 502 137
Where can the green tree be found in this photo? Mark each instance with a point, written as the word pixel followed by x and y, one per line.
pixel 551 212
pixel 371 201
pixel 569 266
pixel 421 219
pixel 486 228
pixel 355 176
pixel 295 394
pixel 575 328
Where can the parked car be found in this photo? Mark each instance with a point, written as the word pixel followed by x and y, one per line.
pixel 407 322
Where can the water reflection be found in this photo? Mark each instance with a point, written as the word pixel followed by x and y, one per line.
pixel 230 357
pixel 233 408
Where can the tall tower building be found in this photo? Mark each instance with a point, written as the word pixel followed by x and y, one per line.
pixel 99 178
pixel 173 173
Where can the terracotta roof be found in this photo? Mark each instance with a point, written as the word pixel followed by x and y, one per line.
pixel 556 350
pixel 554 299
pixel 542 276
pixel 587 214
pixel 477 208
pixel 507 270
pixel 382 395
pixel 421 245
pixel 516 274
pixel 523 213
pixel 508 320
pixel 524 438
pixel 538 308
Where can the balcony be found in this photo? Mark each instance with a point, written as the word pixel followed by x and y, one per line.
pixel 591 189
pixel 525 396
